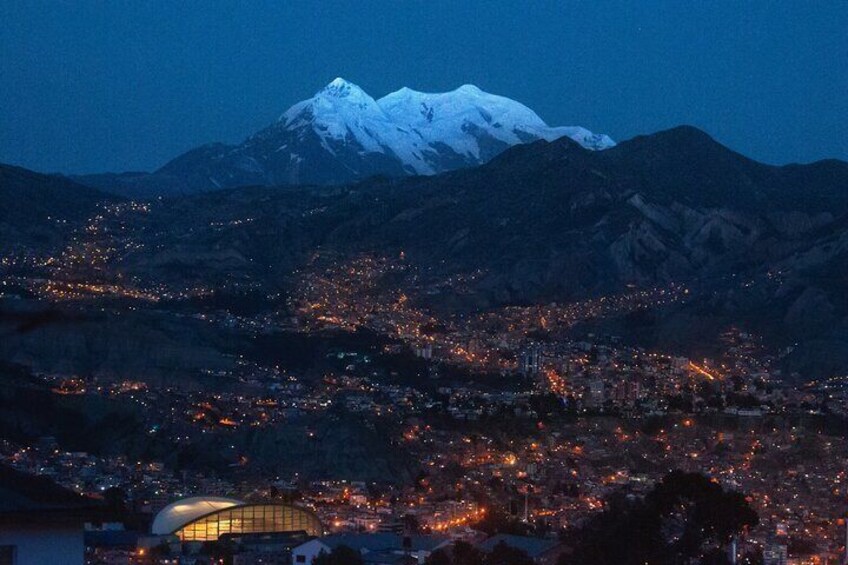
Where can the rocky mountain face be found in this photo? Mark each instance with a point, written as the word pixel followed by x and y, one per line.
pixel 342 135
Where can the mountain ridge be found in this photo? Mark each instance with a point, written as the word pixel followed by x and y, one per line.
pixel 35 207
pixel 342 134
pixel 761 246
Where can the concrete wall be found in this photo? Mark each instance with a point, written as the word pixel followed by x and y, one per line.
pixel 307 552
pixel 45 546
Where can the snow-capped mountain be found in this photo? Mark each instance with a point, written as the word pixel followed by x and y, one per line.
pixel 466 117
pixel 342 134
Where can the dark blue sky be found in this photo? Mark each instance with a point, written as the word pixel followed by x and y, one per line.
pixel 95 86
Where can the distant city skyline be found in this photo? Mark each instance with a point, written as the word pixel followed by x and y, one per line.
pixel 91 87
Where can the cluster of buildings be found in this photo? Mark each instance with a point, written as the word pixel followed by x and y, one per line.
pixel 42 523
pixel 548 427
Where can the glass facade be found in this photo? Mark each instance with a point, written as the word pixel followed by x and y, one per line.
pixel 251 519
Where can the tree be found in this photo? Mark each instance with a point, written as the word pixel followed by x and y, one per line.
pixel 410 524
pixel 503 554
pixel 462 553
pixel 497 522
pixel 708 516
pixel 686 517
pixel 547 406
pixel 466 554
pixel 440 557
pixel 340 555
pixel 116 502
pixel 161 550
pixel 221 551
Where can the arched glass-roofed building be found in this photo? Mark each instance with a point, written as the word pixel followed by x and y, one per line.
pixel 206 518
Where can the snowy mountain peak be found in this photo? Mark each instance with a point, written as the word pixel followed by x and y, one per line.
pixel 340 93
pixel 469 88
pixel 466 104
pixel 333 107
pixel 340 88
pixel 342 134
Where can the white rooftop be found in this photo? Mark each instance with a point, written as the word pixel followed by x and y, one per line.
pixel 179 513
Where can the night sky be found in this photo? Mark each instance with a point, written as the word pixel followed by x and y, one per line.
pixel 115 86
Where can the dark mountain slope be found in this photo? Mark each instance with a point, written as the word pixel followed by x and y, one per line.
pixel 35 208
pixel 686 165
pixel 555 222
pixel 550 218
pixel 761 246
pixel 557 216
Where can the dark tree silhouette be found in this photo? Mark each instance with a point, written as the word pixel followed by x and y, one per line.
pixel 503 554
pixel 340 555
pixel 462 553
pixel 686 517
pixel 116 500
pixel 440 557
pixel 466 554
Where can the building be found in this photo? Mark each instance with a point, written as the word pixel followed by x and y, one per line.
pixel 110 546
pixel 775 554
pixel 530 361
pixel 264 549
pixel 207 518
pixel 376 549
pixel 42 523
pixel 393 525
pixel 595 394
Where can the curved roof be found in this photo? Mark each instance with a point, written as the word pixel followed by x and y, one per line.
pixel 179 513
pixel 258 518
